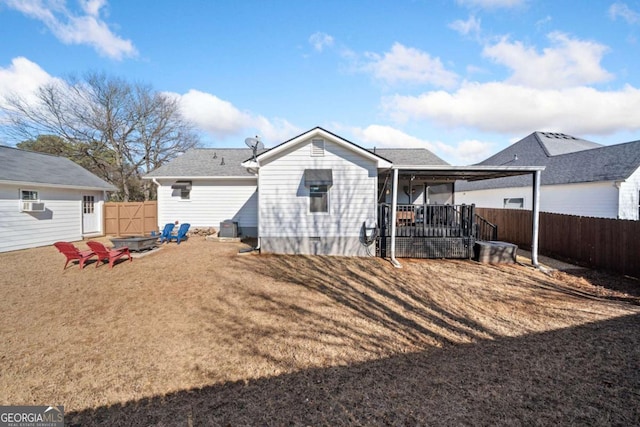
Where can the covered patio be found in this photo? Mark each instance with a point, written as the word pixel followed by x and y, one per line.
pixel 422 229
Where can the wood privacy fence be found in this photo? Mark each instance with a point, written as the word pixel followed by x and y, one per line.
pixel 130 218
pixel 607 244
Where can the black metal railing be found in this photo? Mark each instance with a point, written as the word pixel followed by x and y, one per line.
pixel 484 230
pixel 428 231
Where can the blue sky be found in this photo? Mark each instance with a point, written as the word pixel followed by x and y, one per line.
pixel 463 78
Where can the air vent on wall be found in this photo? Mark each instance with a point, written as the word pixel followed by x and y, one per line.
pixel 317 147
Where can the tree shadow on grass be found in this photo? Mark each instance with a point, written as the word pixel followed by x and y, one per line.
pixel 583 375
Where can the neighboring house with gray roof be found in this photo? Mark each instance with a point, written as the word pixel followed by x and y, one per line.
pixel 310 194
pixel 46 198
pixel 581 178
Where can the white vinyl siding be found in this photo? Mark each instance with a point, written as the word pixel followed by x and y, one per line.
pixel 210 202
pixel 284 199
pixel 61 220
pixel 596 199
pixel 630 197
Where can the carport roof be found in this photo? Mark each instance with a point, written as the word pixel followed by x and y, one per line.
pixel 468 173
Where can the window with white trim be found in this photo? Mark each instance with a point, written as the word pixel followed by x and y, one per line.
pixel 513 203
pixel 319 199
pixel 29 196
pixel 182 189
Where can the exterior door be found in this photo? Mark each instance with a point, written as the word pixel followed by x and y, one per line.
pixel 89 215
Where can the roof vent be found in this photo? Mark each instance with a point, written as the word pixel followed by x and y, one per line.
pixel 317 147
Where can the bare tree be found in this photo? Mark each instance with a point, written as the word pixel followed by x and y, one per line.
pixel 138 127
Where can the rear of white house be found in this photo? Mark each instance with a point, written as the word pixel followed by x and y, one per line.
pixel 317 192
pixel 45 199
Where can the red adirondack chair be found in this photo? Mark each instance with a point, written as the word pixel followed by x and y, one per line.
pixel 72 253
pixel 108 254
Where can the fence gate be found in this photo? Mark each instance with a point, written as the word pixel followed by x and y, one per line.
pixel 130 218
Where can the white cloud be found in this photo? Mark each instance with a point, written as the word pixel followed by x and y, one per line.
pixel 621 10
pixel 92 7
pixel 543 22
pixel 274 131
pixel 470 26
pixel 509 108
pixel 492 4
pixel 212 114
pixel 71 28
pixel 468 151
pixel 381 136
pixel 410 65
pixel 568 62
pixel 222 119
pixel 22 78
pixel 320 40
pixel 464 152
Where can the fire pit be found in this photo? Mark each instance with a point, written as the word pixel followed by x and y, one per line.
pixel 135 243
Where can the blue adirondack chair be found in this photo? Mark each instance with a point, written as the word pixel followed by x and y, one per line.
pixel 182 233
pixel 166 232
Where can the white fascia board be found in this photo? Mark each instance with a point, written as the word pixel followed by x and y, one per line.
pixel 317 132
pixel 482 168
pixel 47 185
pixel 195 178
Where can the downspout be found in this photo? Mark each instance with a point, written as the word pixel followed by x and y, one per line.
pixel 394 216
pixel 535 211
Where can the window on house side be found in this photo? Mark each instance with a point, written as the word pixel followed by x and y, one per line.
pixel 319 199
pixel 513 203
pixel 29 196
pixel 182 189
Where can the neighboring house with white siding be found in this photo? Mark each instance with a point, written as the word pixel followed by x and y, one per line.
pixel 581 178
pixel 46 198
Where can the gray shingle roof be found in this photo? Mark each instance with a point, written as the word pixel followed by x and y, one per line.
pixel 575 163
pixel 206 162
pixel 409 156
pixel 28 166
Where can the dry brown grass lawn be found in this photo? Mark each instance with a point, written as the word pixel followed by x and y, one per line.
pixel 196 334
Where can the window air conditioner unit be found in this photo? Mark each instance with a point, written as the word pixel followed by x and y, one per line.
pixel 32 207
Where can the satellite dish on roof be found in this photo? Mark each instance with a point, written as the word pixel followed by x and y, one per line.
pixel 255 144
